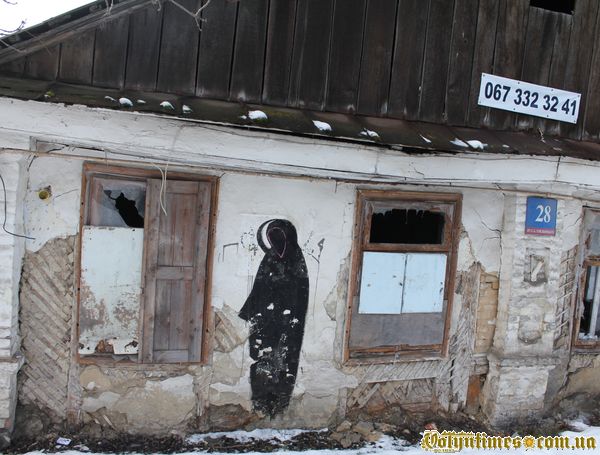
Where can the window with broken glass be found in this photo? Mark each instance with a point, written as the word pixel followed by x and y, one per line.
pixel 587 314
pixel 403 270
pixel 143 258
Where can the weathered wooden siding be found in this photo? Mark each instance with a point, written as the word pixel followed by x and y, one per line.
pixel 405 59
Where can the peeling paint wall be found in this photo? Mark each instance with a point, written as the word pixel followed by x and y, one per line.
pixel 58 215
pixel 13 170
pixel 323 213
pixel 503 327
pixel 110 290
pixel 523 360
pixel 218 394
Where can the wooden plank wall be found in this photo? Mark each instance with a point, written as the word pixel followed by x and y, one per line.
pixel 405 59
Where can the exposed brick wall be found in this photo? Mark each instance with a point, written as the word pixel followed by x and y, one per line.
pixel 46 306
pixel 487 309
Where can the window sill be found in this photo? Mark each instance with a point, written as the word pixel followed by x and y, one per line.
pixel 398 357
pixel 109 362
pixel 591 348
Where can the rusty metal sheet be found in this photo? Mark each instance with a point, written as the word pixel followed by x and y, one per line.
pixel 285 119
pixel 579 149
pixel 110 290
pixel 396 132
pixel 526 144
pixel 336 125
pixel 441 137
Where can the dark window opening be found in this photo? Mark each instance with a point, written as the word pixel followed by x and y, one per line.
pixel 127 209
pixel 589 327
pixel 407 226
pixel 560 6
pixel 115 202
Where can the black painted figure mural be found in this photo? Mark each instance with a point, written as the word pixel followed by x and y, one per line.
pixel 276 311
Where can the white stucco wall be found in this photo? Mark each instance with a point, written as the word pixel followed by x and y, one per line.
pixel 12 169
pixel 313 184
pixel 57 216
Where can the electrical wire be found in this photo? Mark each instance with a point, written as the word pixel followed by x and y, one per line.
pixel 163 187
pixel 5 215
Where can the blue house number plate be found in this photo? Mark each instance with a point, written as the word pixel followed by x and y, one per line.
pixel 541 216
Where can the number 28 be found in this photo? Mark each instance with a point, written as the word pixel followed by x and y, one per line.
pixel 544 214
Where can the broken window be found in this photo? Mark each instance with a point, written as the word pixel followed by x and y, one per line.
pixel 400 288
pixel 141 232
pixel 116 202
pixel 559 6
pixel 587 314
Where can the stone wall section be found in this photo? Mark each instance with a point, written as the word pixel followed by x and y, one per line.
pixel 536 277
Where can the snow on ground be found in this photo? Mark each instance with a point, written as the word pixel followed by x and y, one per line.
pixel 387 445
pixel 247 436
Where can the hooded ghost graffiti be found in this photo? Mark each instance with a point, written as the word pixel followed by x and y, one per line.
pixel 276 311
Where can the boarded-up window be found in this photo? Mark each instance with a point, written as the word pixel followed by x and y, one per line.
pixel 176 251
pixel 144 255
pixel 404 251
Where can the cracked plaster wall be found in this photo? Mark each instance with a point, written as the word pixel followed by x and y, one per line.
pixel 12 169
pixel 523 359
pixel 218 394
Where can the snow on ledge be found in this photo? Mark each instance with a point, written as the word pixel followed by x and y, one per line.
pixel 369 133
pixel 459 143
pixel 477 144
pixel 257 115
pixel 322 126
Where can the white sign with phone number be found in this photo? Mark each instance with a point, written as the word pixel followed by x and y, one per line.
pixel 525 98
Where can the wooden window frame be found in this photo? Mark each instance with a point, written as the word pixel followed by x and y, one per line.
pixel 93 169
pixel 365 199
pixel 586 260
pixel 579 344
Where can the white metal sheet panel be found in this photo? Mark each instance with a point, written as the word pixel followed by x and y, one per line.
pixel 110 296
pixel 381 284
pixel 396 283
pixel 424 283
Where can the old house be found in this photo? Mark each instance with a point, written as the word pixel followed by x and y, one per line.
pixel 298 210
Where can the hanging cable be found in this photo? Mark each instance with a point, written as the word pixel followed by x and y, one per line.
pixel 5 215
pixel 163 187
